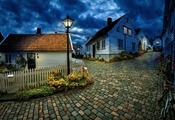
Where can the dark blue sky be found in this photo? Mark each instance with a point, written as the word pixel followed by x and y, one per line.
pixel 24 16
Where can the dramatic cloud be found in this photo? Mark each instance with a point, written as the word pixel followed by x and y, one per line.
pixel 24 16
pixel 147 14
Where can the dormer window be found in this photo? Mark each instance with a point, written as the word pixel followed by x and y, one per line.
pixel 125 31
pixel 130 32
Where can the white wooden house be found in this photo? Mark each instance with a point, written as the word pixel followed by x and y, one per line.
pixel 143 39
pixel 116 37
pixel 157 43
pixel 38 50
pixel 169 29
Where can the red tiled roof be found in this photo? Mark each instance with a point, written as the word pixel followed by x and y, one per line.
pixel 103 31
pixel 35 42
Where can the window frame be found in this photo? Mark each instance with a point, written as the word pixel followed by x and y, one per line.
pixel 8 58
pixel 125 30
pixel 129 32
pixel 103 44
pixel 98 45
pixel 120 44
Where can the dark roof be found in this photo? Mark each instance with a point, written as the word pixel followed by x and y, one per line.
pixel 103 31
pixel 35 42
pixel 1 37
pixel 138 30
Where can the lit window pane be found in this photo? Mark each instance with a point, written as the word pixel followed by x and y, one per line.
pixel 124 30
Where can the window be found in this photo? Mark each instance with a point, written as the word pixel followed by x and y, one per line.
pixel 31 60
pixel 8 58
pixel 157 42
pixel 103 44
pixel 88 48
pixel 133 45
pixel 120 44
pixel 130 32
pixel 98 45
pixel 125 30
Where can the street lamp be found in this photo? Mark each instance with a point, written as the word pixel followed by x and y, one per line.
pixel 67 22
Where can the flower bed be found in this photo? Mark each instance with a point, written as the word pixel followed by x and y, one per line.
pixel 126 56
pixel 74 80
pixel 56 82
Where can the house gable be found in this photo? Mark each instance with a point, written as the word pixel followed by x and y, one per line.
pixel 118 28
pixel 122 37
pixel 143 39
pixel 103 32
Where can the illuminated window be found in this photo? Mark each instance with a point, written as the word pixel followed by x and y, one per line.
pixel 157 42
pixel 120 44
pixel 103 44
pixel 125 30
pixel 130 32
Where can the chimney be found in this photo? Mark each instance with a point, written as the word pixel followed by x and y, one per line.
pixel 109 21
pixel 38 31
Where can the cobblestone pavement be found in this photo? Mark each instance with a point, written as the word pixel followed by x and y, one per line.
pixel 124 90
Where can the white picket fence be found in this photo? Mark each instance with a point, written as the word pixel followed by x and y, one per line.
pixel 13 81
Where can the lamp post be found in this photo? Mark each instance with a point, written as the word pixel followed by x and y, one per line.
pixel 67 22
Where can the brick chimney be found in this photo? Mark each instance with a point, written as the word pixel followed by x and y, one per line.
pixel 109 21
pixel 38 31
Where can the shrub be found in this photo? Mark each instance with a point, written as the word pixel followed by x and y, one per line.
pixel 73 80
pixel 114 59
pixel 57 81
pixel 124 53
pixel 92 59
pixel 165 67
pixel 79 80
pixel 122 56
pixel 101 59
pixel 127 55
pixel 140 53
pixel 75 77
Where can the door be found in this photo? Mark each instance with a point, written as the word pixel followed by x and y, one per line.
pixel 93 50
pixel 31 60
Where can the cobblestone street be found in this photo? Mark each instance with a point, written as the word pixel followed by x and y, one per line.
pixel 126 90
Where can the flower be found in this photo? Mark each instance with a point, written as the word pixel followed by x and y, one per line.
pixel 160 57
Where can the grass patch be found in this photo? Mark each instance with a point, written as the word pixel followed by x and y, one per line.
pixel 34 93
